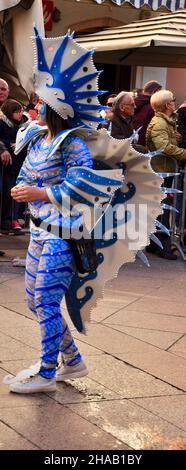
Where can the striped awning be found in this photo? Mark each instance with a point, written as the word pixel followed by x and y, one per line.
pixel 164 30
pixel 171 5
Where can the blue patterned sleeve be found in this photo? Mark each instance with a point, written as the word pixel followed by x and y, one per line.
pixel 74 153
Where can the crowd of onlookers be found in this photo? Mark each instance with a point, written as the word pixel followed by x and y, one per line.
pixel 151 112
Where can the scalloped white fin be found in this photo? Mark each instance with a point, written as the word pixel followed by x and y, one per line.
pixel 138 170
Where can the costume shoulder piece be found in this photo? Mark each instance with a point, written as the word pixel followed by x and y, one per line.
pixel 26 134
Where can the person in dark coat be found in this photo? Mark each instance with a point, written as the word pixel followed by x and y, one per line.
pixel 181 124
pixel 10 120
pixel 5 157
pixel 143 110
pixel 123 111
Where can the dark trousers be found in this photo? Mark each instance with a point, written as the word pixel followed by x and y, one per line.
pixel 164 218
pixel 8 181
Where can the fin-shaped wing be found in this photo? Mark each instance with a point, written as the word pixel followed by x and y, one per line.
pixel 137 204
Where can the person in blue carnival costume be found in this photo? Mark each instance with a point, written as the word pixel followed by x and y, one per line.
pixel 41 181
pixel 59 169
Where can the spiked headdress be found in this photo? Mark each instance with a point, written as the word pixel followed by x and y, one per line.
pixel 67 79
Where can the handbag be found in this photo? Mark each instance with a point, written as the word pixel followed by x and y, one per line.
pixel 85 256
pixel 83 250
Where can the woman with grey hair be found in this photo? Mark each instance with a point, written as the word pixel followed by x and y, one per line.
pixel 161 135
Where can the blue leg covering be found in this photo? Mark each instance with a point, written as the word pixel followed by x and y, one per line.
pixel 49 271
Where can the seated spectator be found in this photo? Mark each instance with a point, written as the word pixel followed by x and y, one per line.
pixel 123 111
pixel 10 121
pixel 143 111
pixel 161 135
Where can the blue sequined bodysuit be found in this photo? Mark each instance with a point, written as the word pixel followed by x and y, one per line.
pixel 43 171
pixel 49 265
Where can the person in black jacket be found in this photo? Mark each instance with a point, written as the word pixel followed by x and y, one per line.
pixel 143 109
pixel 10 119
pixel 181 124
pixel 5 157
pixel 123 111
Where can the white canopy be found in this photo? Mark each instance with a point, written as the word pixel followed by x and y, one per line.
pixel 164 30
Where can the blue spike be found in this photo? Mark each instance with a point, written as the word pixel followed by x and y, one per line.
pixel 170 190
pixel 77 122
pixel 135 134
pixel 156 240
pixel 79 95
pixel 70 71
pixel 143 258
pixel 155 153
pixel 170 208
pixel 89 107
pixel 59 54
pixel 104 122
pixel 79 82
pixel 86 107
pixel 37 32
pixel 42 64
pixel 139 129
pixel 162 227
pixel 165 175
pixel 90 117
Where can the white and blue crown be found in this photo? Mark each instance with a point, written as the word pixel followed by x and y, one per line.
pixel 67 79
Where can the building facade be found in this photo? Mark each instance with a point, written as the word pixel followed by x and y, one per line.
pixel 91 16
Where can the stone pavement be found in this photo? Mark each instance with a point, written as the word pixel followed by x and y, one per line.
pixel 135 348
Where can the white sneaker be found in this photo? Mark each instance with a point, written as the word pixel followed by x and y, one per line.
pixel 23 374
pixel 71 372
pixel 36 384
